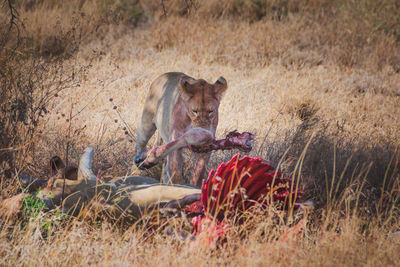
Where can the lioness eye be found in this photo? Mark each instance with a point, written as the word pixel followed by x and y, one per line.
pixel 195 112
pixel 210 112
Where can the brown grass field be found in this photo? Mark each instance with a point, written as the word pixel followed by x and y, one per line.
pixel 317 82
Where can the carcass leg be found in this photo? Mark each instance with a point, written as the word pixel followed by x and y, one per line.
pixel 195 136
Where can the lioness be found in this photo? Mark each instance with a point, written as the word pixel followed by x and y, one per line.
pixel 176 103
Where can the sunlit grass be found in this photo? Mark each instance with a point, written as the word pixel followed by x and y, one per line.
pixel 318 83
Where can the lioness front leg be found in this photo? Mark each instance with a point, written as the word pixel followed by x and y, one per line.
pixel 174 173
pixel 145 131
pixel 198 164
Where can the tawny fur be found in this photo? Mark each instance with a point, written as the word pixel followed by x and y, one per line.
pixel 175 104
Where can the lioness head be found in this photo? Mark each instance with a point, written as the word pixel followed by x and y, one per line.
pixel 202 100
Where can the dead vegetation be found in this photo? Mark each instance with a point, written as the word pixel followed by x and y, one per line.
pixel 317 81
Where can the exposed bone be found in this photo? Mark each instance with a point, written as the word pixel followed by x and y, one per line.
pixel 198 140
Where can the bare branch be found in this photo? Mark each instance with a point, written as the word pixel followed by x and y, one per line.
pixel 13 22
pixel 164 9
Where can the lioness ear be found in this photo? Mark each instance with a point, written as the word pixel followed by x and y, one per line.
pixel 186 87
pixel 220 87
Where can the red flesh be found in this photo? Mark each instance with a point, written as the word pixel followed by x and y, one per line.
pixel 241 182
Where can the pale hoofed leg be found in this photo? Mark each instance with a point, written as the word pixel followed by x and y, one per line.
pixel 195 136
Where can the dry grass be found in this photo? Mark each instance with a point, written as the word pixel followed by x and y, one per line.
pixel 353 243
pixel 330 69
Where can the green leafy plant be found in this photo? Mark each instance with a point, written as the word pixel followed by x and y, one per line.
pixel 33 205
pixel 46 222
